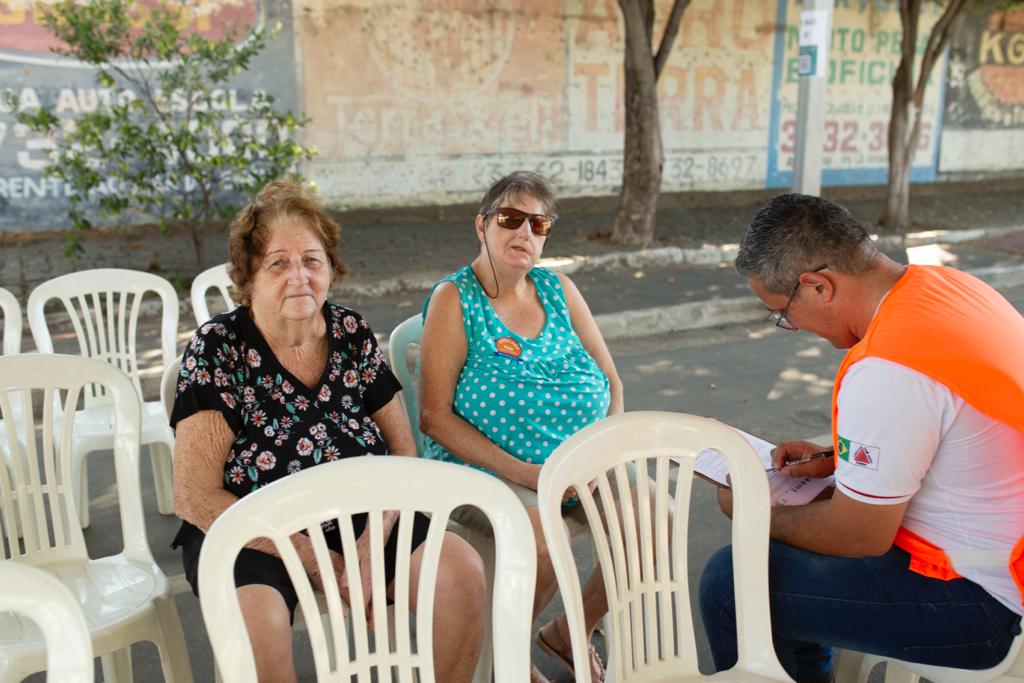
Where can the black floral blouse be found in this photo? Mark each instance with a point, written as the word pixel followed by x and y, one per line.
pixel 282 426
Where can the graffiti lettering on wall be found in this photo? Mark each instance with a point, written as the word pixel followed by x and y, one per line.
pixel 866 42
pixel 986 72
pixel 713 92
pixel 447 105
pixel 38 77
pixel 26 38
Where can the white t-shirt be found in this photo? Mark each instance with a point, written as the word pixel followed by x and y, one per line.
pixel 911 438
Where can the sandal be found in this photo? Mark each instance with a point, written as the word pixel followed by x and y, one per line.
pixel 565 660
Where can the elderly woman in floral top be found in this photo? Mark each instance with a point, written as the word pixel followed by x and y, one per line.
pixel 285 382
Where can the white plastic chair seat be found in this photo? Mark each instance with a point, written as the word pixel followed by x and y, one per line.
pixel 111 592
pixel 94 426
pixel 49 614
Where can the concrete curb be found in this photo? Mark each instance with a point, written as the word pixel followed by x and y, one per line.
pixel 697 315
pixel 709 254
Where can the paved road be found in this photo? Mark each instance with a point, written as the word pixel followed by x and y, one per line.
pixel 767 381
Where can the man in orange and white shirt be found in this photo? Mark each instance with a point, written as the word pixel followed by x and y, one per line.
pixel 919 553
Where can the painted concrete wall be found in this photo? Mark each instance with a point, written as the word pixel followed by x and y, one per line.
pixel 424 101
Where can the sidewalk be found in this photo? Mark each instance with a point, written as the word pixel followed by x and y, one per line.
pixel 684 281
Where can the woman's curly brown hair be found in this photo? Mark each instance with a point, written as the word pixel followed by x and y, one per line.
pixel 250 231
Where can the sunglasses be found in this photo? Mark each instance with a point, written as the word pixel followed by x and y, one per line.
pixel 511 219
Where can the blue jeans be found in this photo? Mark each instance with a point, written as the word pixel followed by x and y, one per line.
pixel 873 604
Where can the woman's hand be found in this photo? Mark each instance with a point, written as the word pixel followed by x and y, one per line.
pixel 363 551
pixel 338 567
pixel 794 450
pixel 365 576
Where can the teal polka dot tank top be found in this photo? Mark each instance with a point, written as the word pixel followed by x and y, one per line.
pixel 527 395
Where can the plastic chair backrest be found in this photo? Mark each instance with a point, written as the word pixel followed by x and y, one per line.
pixel 169 386
pixel 334 492
pixel 51 606
pixel 211 278
pixel 400 343
pixel 12 323
pixel 38 483
pixel 103 305
pixel 650 634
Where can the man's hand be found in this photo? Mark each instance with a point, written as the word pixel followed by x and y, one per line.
pixel 794 450
pixel 725 499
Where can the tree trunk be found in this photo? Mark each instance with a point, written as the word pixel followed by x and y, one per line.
pixel 908 103
pixel 642 157
pixel 903 128
pixel 196 231
pixel 642 160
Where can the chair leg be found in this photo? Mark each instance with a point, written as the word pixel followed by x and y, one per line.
pixel 80 473
pixel 117 666
pixel 483 543
pixel 160 457
pixel 850 666
pixel 173 651
pixel 894 673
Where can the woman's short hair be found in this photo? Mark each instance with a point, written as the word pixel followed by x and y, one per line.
pixel 796 233
pixel 517 185
pixel 250 231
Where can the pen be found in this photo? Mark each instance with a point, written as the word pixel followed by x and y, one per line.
pixel 808 458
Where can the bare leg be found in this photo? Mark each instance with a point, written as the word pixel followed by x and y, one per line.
pixel 595 601
pixel 458 608
pixel 269 625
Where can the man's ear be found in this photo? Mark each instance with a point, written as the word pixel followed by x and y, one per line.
pixel 822 283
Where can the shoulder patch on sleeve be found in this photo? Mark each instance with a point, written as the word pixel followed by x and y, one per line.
pixel 859 454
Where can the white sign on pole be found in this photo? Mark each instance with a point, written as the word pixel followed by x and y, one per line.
pixel 814 31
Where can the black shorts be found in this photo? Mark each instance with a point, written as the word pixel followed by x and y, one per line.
pixel 255 567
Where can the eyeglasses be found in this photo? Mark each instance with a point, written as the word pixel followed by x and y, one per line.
pixel 511 219
pixel 781 317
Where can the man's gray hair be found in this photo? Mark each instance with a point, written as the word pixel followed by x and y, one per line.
pixel 796 233
pixel 519 184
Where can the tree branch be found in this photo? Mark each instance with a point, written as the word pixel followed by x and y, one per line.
pixel 668 37
pixel 638 41
pixel 937 40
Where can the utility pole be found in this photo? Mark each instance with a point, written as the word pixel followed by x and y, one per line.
pixel 815 32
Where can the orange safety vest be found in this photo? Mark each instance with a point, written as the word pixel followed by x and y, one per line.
pixel 957 330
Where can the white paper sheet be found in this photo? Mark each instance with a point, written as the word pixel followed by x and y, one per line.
pixel 784 490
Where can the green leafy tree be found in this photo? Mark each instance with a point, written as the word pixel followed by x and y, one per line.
pixel 168 146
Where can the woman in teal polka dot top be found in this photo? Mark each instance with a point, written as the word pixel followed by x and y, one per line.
pixel 511 364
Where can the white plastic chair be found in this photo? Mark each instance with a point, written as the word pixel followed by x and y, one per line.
pixel 335 491
pixel 855 667
pixel 11 310
pixel 103 306
pixel 211 278
pixel 53 610
pixel 12 323
pixel 125 597
pixel 401 342
pixel 169 386
pixel 649 632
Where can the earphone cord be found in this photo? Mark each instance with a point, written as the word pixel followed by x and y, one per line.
pixel 497 286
